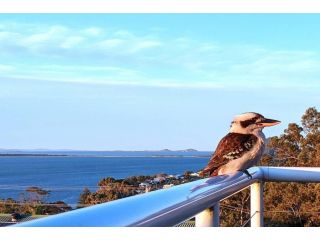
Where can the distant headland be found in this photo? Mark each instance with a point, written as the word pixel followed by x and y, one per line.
pixel 115 153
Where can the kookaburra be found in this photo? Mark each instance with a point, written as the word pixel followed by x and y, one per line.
pixel 242 147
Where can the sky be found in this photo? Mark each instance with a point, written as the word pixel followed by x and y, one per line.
pixel 151 81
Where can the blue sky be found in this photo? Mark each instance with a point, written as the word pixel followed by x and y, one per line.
pixel 151 81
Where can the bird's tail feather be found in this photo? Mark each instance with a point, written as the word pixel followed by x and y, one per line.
pixel 209 171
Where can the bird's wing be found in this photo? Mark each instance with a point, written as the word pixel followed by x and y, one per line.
pixel 231 147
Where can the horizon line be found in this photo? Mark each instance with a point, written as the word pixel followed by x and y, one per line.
pixel 118 150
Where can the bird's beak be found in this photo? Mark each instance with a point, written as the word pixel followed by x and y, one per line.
pixel 269 122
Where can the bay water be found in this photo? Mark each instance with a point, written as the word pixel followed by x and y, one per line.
pixel 66 176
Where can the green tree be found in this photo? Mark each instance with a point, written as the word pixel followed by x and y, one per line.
pixel 108 191
pixel 295 204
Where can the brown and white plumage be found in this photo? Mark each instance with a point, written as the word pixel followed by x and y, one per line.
pixel 242 147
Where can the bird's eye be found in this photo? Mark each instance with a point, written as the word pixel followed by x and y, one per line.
pixel 259 120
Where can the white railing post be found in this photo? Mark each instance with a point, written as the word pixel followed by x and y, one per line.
pixel 205 218
pixel 210 217
pixel 256 200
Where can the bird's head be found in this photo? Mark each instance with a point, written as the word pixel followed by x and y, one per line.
pixel 250 122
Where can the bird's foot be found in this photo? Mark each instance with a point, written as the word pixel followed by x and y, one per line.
pixel 247 173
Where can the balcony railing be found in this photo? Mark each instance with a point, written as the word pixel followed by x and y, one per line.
pixel 172 206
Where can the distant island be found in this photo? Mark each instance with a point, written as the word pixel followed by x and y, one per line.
pixel 185 150
pixel 31 155
pixel 116 153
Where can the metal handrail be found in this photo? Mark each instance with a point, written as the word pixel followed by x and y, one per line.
pixel 169 207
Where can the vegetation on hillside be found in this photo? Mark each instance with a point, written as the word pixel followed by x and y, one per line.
pixel 33 201
pixel 111 189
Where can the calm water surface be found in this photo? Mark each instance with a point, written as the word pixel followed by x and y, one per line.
pixel 67 176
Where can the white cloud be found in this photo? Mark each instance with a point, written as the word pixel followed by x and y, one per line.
pixel 71 42
pixel 145 44
pixel 286 66
pixel 6 68
pixel 93 31
pixel 207 47
pixel 110 43
pixel 123 33
pixel 53 32
pixel 38 39
pixel 123 56
pixel 5 35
